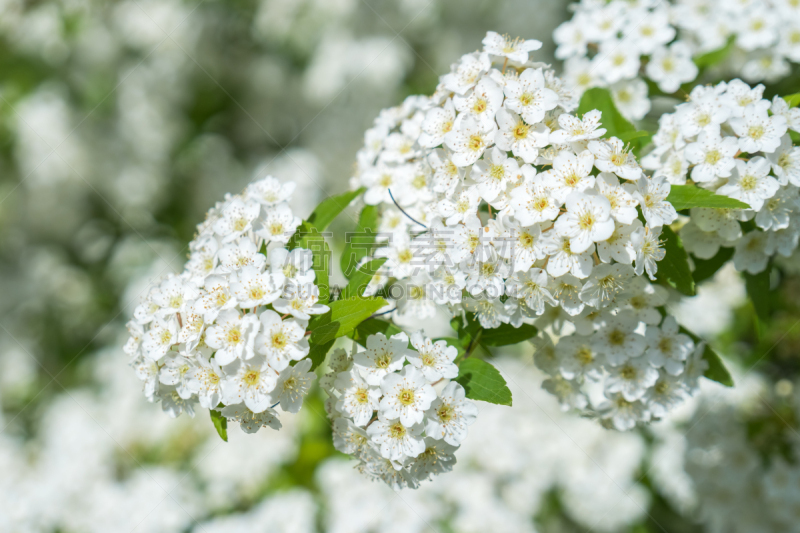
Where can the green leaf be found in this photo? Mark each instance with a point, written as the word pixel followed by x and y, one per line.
pixel 507 334
pixel 631 135
pixel 308 237
pixel 757 286
pixel 715 56
pixel 318 352
pixel 359 244
pixel 706 268
pixel 674 268
pixel 483 382
pixel 371 327
pixel 793 99
pixel 716 368
pixel 359 281
pixel 343 317
pixel 686 196
pixel 220 424
pixel 330 208
pixel 612 120
pixel 466 333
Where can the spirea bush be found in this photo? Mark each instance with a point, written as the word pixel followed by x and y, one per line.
pixel 515 207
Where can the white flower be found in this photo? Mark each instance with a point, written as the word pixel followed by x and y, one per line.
pixel 528 96
pixel 522 139
pixel 493 174
pixel 172 295
pixel 570 173
pixel 281 341
pixel 577 357
pixel 751 182
pixel 652 197
pixel 433 359
pixel 724 221
pixel 739 95
pixel 300 301
pixel 236 218
pixel 757 131
pixel 481 103
pixel 617 339
pixel 450 414
pixel 611 156
pixel 712 156
pixel 205 380
pixel 792 114
pixel 173 404
pixel 489 313
pixel 251 383
pixel 396 441
pixel 587 220
pixel 604 283
pixel 514 49
pixel 249 421
pixel 631 99
pixel 466 73
pixel 270 191
pixel 667 347
pixel 469 139
pixel 486 276
pixel 568 392
pixel 670 67
pixel 617 60
pixel 623 205
pixel 786 162
pixel 531 286
pixel 646 246
pixel 358 398
pixel 176 372
pixel 292 386
pixel 232 336
pixel 533 201
pixel 437 458
pixel 566 289
pixel 160 338
pixel 632 378
pixel 701 114
pixel 438 123
pixel 575 129
pixel 618 246
pixel 701 244
pixel 291 266
pixel 147 371
pixel 562 259
pixel 279 224
pixel 235 256
pixel 253 287
pixel 446 175
pixel 750 254
pixel 348 438
pixel 667 393
pixel 776 212
pixel 382 356
pixel 622 414
pixel 406 395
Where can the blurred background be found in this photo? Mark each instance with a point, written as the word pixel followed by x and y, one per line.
pixel 121 123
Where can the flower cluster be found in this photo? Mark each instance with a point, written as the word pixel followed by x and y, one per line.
pixel 730 140
pixel 392 411
pixel 742 457
pixel 626 365
pixel 526 204
pixel 617 44
pixel 227 331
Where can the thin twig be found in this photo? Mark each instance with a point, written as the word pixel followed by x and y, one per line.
pixel 403 211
